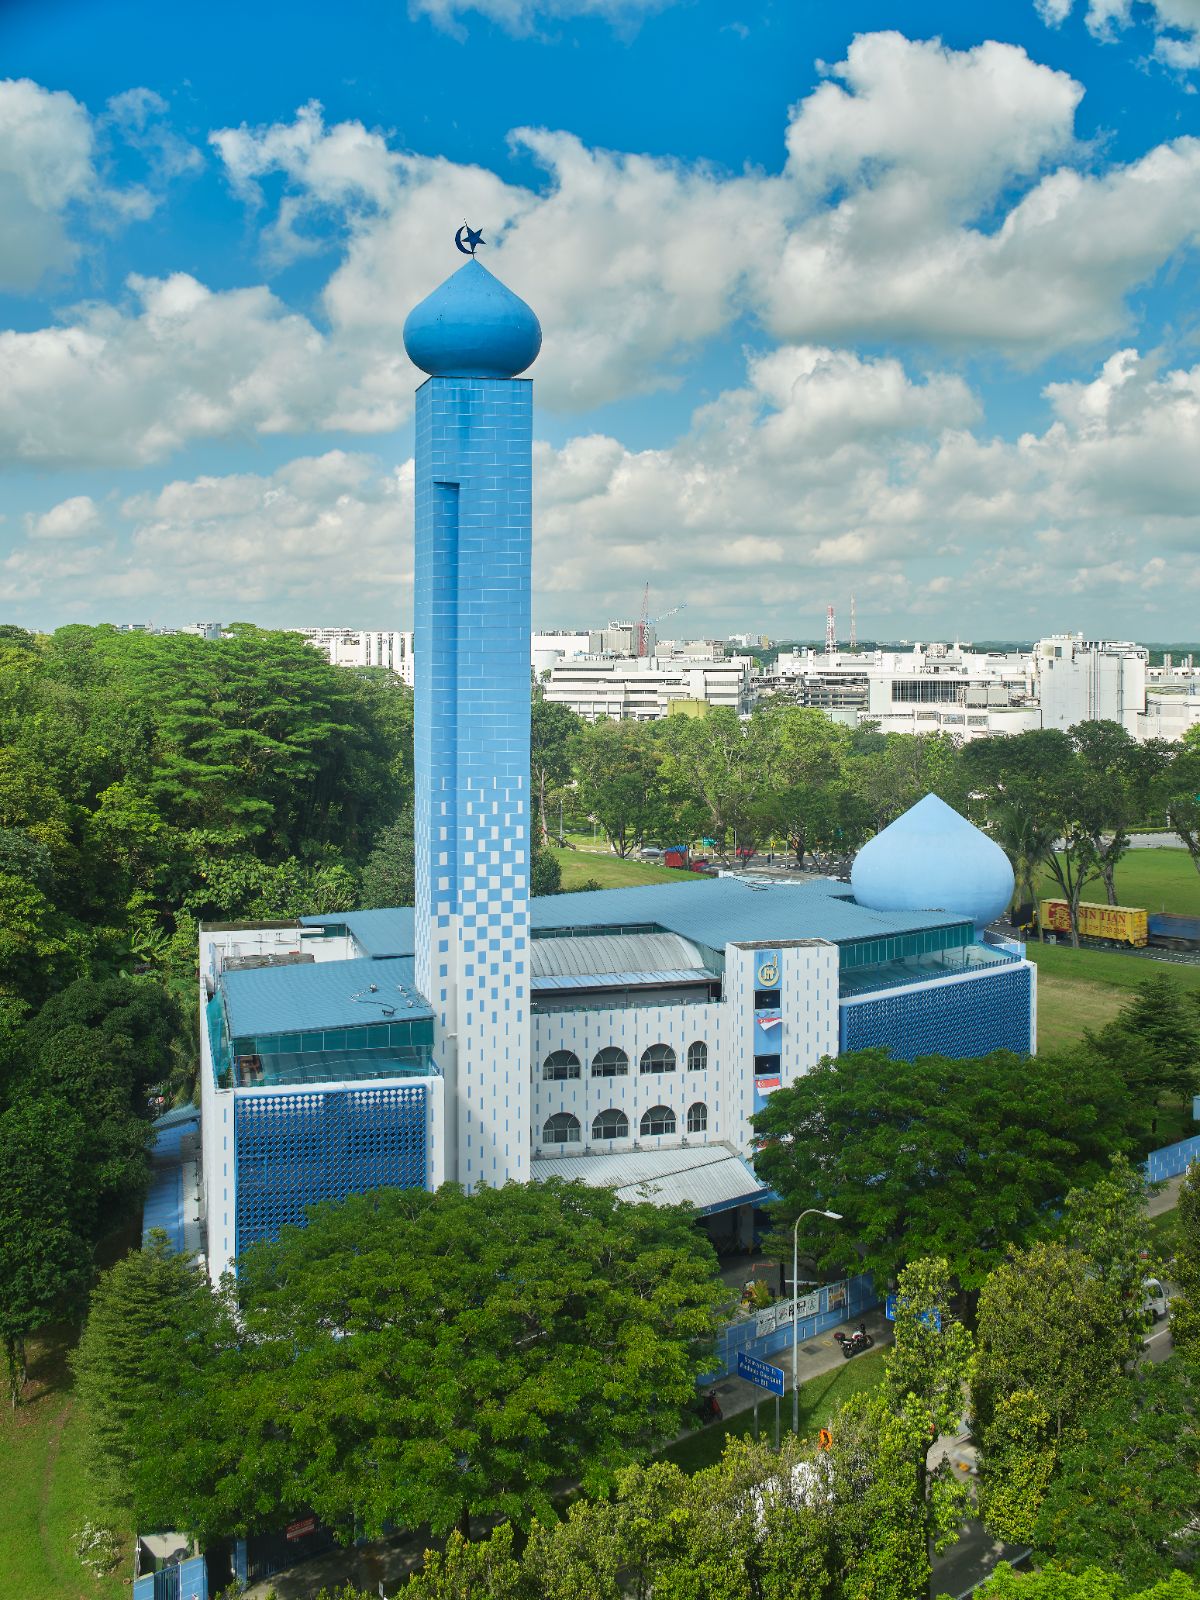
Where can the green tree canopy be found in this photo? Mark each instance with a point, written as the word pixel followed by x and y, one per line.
pixel 413 1357
pixel 958 1159
pixel 1185 1270
pixel 1125 1492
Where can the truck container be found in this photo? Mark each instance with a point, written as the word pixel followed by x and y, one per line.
pixel 1171 932
pixel 1120 924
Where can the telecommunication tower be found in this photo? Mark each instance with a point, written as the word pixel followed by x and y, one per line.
pixel 830 632
pixel 853 626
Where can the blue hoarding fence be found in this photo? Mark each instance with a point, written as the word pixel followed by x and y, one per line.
pixel 770 1331
pixel 1172 1159
pixel 760 1372
pixel 889 1312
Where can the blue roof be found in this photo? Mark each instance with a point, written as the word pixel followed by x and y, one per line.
pixel 315 995
pixel 378 933
pixel 712 911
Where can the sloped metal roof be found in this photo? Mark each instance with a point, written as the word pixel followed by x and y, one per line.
pixel 597 953
pixel 319 995
pixel 709 911
pixel 711 1177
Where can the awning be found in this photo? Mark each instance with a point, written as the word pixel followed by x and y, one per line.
pixel 711 1177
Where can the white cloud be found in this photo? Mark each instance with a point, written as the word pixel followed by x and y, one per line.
pixel 46 147
pixel 321 535
pixel 929 196
pixel 825 473
pixel 131 385
pixel 522 16
pixel 1176 25
pixel 69 519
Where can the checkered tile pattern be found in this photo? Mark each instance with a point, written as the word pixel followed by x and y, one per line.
pixel 472 614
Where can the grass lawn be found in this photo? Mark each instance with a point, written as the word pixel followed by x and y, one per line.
pixel 43 1493
pixel 610 872
pixel 819 1398
pixel 1080 989
pixel 1159 880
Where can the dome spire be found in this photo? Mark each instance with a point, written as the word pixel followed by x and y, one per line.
pixel 933 859
pixel 472 326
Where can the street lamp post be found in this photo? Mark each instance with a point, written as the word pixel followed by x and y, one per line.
pixel 813 1211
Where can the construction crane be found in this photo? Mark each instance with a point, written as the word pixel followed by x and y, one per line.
pixel 646 622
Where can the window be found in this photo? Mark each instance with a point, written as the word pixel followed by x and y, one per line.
pixel 766 1066
pixel 560 1064
pixel 611 1062
pixel 697 1118
pixel 766 999
pixel 611 1125
pixel 697 1056
pixel 561 1128
pixel 659 1058
pixel 659 1119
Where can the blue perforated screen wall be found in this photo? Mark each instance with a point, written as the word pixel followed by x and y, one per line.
pixel 966 1017
pixel 292 1150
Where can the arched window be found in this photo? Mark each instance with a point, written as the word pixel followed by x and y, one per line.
pixel 560 1064
pixel 659 1119
pixel 697 1056
pixel 659 1058
pixel 611 1062
pixel 562 1128
pixel 697 1121
pixel 611 1125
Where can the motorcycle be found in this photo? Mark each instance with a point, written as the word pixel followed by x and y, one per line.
pixel 709 1407
pixel 853 1344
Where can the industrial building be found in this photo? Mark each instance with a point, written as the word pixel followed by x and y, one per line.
pixel 622 1037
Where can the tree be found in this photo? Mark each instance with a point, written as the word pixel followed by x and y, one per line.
pixel 1185 1307
pixel 553 729
pixel 618 768
pixel 414 1357
pixel 45 1255
pixel 722 764
pixel 926 1377
pixel 936 1156
pixel 1178 793
pixel 141 1311
pixel 1154 1045
pixel 1107 1224
pixel 1091 1584
pixel 1125 1491
pixel 1121 775
pixel 812 802
pixel 389 876
pixel 1052 1337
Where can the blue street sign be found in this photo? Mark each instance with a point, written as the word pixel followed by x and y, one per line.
pixel 889 1311
pixel 760 1372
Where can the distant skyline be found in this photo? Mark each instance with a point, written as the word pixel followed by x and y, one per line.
pixel 895 301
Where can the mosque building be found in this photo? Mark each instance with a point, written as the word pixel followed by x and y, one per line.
pixel 622 1037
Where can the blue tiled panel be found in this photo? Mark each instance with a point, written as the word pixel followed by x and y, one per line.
pixel 473 506
pixel 293 1150
pixel 969 1017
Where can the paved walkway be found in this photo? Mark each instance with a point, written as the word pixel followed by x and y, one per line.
pixel 1166 1199
pixel 814 1357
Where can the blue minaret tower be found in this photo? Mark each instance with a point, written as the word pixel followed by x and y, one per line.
pixel 473 488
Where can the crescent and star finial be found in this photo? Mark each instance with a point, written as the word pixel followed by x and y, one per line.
pixel 474 237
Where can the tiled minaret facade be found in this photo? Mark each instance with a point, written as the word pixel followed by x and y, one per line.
pixel 472 622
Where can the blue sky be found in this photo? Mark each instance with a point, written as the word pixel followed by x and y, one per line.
pixel 892 301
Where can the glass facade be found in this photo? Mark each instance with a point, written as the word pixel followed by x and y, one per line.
pixel 922 942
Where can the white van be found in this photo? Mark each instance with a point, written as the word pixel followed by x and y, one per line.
pixel 1154 1298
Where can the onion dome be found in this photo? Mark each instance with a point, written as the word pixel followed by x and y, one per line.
pixel 933 859
pixel 472 326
